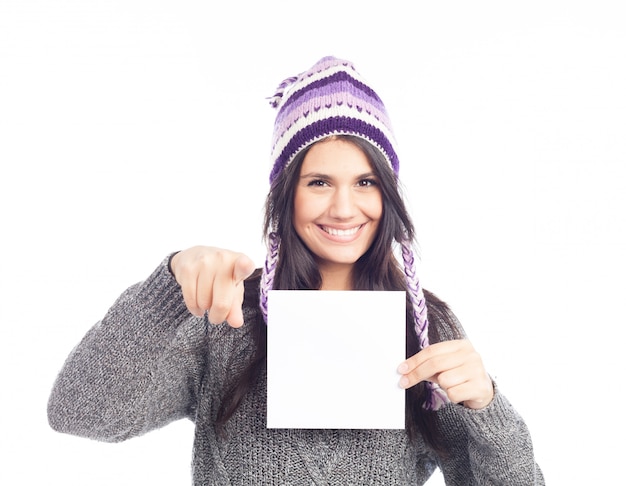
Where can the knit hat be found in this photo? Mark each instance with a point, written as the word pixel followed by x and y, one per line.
pixel 332 98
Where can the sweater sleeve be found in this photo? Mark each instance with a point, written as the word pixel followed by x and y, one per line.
pixel 137 369
pixel 490 446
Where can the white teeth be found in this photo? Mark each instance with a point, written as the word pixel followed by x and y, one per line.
pixel 339 232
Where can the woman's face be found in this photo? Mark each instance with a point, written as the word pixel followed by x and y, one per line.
pixel 337 204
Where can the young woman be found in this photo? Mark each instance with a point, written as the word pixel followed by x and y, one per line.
pixel 190 340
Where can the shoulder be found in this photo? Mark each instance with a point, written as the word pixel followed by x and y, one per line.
pixel 437 307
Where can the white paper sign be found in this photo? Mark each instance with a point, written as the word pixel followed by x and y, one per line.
pixel 332 359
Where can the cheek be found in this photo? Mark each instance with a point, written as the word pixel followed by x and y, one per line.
pixel 302 211
pixel 374 208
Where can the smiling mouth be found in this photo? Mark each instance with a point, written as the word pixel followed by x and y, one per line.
pixel 341 232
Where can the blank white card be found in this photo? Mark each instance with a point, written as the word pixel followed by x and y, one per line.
pixel 332 359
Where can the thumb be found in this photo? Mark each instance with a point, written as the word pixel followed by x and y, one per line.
pixel 243 268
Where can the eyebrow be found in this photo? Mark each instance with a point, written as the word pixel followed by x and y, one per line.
pixel 319 175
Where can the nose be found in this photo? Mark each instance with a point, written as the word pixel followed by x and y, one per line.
pixel 343 203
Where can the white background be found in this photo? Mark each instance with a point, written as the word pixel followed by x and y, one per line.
pixel 129 129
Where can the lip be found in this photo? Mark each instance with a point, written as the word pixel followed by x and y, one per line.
pixel 341 234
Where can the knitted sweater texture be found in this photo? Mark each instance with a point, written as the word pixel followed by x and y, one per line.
pixel 149 362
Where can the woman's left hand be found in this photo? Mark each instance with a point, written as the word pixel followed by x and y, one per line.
pixel 456 367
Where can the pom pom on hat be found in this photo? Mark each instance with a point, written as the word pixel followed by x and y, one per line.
pixel 275 100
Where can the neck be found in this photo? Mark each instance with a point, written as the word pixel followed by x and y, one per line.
pixel 337 278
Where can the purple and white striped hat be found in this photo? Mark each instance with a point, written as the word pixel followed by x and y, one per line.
pixel 331 98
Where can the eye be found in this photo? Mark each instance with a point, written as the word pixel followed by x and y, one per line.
pixel 317 183
pixel 367 183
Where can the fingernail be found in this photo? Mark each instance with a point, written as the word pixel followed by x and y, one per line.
pixel 403 368
pixel 404 382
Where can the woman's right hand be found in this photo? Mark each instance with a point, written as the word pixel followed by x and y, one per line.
pixel 212 279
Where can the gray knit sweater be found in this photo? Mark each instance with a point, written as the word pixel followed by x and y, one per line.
pixel 149 362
